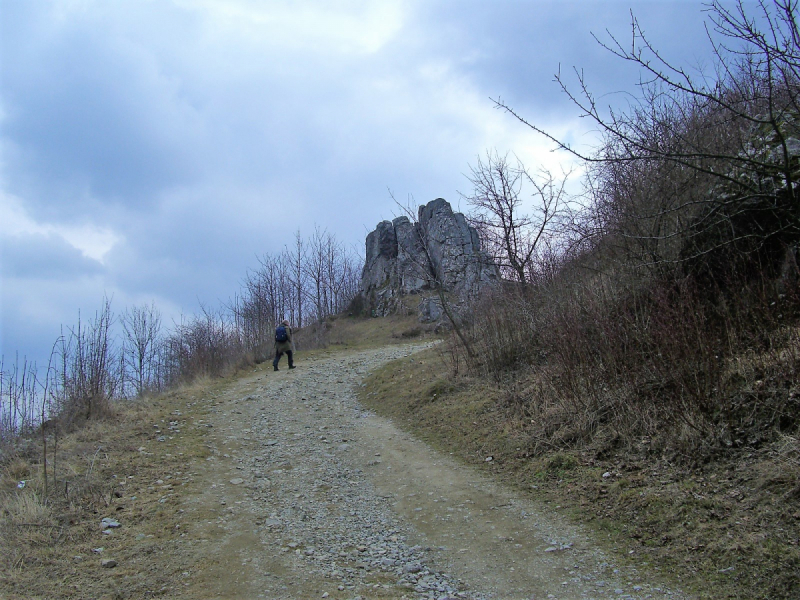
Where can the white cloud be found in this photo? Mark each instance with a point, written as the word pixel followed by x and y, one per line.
pixel 93 241
pixel 332 27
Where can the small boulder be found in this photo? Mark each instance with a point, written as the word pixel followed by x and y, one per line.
pixel 109 523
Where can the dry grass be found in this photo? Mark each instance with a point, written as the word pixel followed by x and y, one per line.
pixel 788 455
pixel 121 468
pixel 16 470
pixel 728 527
pixel 115 468
pixel 365 332
pixel 740 510
pixel 27 528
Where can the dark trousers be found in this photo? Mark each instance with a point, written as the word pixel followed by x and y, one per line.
pixel 278 355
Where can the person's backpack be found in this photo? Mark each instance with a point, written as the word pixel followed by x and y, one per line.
pixel 281 335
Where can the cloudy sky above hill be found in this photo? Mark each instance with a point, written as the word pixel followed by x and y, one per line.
pixel 150 150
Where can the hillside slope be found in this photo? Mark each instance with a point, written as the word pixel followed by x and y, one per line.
pixel 728 526
pixel 281 484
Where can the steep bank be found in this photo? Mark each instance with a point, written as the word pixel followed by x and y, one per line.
pixel 729 528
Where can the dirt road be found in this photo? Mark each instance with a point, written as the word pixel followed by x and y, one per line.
pixel 306 495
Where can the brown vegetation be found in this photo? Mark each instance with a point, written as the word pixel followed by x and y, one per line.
pixel 671 307
pixel 726 528
pixel 656 336
pixel 110 358
pixel 132 467
pixel 50 523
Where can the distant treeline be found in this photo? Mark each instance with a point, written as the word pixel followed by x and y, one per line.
pixel 115 356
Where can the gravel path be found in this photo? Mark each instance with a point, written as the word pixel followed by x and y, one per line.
pixel 307 495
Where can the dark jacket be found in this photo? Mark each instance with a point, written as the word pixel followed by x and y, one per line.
pixel 286 346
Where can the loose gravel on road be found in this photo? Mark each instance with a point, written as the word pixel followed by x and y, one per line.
pixel 307 495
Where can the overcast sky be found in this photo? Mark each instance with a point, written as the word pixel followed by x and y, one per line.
pixel 150 150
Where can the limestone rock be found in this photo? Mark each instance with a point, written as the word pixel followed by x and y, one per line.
pixel 439 250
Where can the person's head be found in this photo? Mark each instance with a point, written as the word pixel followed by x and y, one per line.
pixel 285 322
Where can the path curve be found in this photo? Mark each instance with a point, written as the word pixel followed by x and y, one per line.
pixel 308 495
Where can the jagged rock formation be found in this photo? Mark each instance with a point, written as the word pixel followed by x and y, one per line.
pixel 439 250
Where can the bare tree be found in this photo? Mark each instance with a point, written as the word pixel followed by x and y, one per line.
pixel 515 237
pixel 347 281
pixel 87 379
pixel 315 271
pixel 730 138
pixel 142 331
pixel 19 401
pixel 264 299
pixel 296 258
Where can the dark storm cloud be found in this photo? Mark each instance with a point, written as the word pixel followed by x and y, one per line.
pixel 43 256
pixel 87 115
pixel 513 49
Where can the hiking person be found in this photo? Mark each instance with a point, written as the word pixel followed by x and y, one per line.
pixel 283 343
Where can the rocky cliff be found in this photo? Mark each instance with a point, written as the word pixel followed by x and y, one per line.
pixel 406 259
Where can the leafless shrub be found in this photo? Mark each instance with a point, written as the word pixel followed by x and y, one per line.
pixel 142 335
pixel 662 306
pixel 205 345
pixel 20 401
pixel 504 330
pixel 660 362
pixel 88 375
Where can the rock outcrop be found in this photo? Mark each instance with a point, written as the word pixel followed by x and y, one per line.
pixel 406 259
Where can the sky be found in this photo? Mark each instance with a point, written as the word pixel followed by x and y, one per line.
pixel 151 150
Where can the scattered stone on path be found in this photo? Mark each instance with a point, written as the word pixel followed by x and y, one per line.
pixel 310 502
pixel 108 563
pixel 109 523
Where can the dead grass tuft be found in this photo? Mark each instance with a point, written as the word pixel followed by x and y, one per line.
pixel 16 470
pixel 788 454
pixel 28 529
pixel 27 508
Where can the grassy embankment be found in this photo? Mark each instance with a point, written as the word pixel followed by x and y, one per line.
pixel 131 467
pixel 726 528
